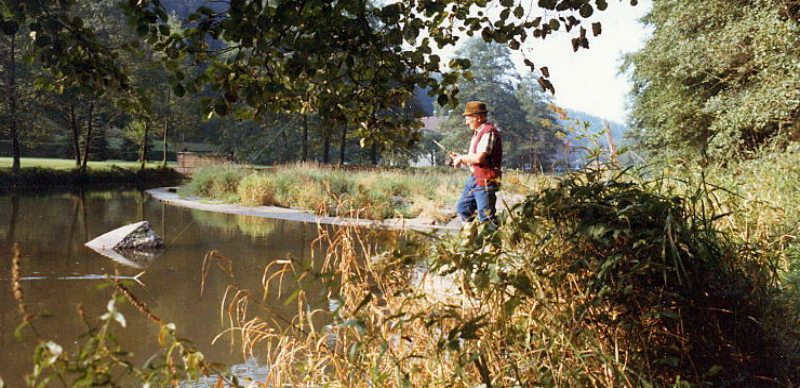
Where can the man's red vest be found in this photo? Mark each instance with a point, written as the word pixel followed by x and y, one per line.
pixel 489 170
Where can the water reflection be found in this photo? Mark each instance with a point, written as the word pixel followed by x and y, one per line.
pixel 59 273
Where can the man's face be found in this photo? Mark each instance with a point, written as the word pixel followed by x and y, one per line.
pixel 473 121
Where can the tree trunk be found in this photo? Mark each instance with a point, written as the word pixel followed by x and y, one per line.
pixel 164 155
pixel 166 127
pixel 76 133
pixel 88 142
pixel 12 101
pixel 343 145
pixel 373 154
pixel 285 154
pixel 533 151
pixel 143 146
pixel 326 146
pixel 305 138
pixel 612 145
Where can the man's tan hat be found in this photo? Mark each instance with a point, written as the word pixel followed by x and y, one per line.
pixel 475 107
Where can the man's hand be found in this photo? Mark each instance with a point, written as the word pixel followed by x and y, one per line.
pixel 457 162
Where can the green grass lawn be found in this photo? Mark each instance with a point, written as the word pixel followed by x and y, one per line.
pixel 68 164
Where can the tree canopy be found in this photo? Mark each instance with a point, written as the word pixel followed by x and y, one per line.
pixel 354 63
pixel 717 78
pixel 350 60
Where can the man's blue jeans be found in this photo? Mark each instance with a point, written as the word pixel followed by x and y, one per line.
pixel 477 198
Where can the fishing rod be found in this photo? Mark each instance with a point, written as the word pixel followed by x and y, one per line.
pixel 449 153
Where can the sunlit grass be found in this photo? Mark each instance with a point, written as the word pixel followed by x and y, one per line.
pixel 368 193
pixel 663 278
pixel 68 164
pixel 371 194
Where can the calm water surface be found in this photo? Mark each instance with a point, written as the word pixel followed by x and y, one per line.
pixel 61 274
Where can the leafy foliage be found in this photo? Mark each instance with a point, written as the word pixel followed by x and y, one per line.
pixel 717 78
pixel 351 61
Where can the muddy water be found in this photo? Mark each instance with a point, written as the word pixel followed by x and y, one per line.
pixel 60 274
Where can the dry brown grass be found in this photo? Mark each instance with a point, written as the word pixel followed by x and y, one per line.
pixel 565 294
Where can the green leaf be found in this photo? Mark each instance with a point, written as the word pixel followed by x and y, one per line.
pixel 554 24
pixel 18 332
pixel 355 323
pixel 510 305
pixel 179 90
pixel 354 351
pixel 504 14
pixel 519 12
pixel 221 108
pixel 713 371
pixel 391 10
pixel 586 10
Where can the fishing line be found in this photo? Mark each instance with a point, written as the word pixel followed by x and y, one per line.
pixel 172 242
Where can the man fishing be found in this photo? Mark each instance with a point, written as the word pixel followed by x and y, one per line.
pixel 484 159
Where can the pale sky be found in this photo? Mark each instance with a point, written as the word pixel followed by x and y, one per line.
pixel 589 80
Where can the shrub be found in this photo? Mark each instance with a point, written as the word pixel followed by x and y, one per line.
pixel 257 190
pixel 650 270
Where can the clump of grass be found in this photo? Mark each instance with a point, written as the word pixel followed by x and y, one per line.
pixel 336 192
pixel 760 200
pixel 256 190
pixel 217 182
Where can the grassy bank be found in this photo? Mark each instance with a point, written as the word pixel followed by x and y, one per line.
pixel 377 194
pixel 69 164
pixel 664 278
pixel 44 177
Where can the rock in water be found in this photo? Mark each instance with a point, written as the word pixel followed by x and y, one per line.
pixel 134 245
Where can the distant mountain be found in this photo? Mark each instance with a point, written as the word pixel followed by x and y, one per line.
pixel 584 137
pixel 596 125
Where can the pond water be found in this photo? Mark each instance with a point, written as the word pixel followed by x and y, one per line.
pixel 59 273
